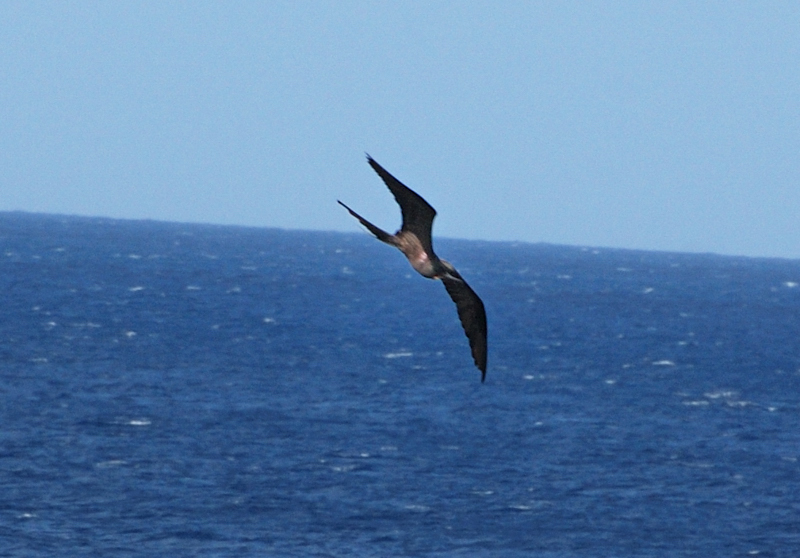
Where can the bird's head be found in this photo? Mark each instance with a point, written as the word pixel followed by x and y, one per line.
pixel 449 271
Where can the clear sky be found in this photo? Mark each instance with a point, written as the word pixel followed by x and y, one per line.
pixel 654 125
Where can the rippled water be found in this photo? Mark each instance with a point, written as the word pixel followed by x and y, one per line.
pixel 186 390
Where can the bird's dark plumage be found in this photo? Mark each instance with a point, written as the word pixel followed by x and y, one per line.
pixel 473 319
pixel 414 240
pixel 417 213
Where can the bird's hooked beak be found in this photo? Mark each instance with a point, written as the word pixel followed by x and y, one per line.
pixel 450 272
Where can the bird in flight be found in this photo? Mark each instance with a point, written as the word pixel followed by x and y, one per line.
pixel 414 240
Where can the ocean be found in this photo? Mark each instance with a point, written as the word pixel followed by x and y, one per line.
pixel 195 390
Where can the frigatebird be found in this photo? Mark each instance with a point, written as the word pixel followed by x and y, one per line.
pixel 414 240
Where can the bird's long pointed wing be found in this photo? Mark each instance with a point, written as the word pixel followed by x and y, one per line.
pixel 417 213
pixel 381 234
pixel 472 314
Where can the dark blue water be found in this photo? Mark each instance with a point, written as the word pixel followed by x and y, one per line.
pixel 184 390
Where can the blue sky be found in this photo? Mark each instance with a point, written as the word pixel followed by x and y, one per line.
pixel 653 125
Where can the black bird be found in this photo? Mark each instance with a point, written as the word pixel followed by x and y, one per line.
pixel 414 240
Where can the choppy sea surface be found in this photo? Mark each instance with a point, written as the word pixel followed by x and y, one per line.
pixel 189 390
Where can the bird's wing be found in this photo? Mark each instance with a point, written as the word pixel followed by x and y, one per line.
pixel 417 213
pixel 381 234
pixel 473 317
